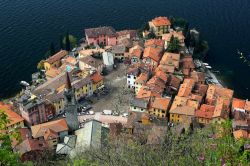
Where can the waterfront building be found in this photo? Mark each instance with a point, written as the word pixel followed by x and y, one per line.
pixel 160 25
pixel 101 36
pixel 177 34
pixel 55 60
pixel 125 34
pixel 90 63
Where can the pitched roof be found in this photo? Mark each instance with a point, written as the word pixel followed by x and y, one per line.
pixel 247 106
pixel 93 62
pixel 58 56
pixel 96 77
pixel 177 34
pixel 52 72
pixel 142 79
pixel 136 102
pixel 136 52
pixel 205 111
pixel 161 103
pixel 161 21
pixel 238 134
pixel 179 102
pixel 238 103
pixel 184 90
pixel 95 32
pixel 146 92
pixel 31 145
pixel 153 53
pixel 56 126
pixel 154 43
pixel 12 116
pixel 183 110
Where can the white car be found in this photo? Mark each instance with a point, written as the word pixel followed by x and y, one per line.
pixel 125 114
pixel 91 112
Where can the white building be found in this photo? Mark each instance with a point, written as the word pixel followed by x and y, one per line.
pixel 132 75
pixel 108 59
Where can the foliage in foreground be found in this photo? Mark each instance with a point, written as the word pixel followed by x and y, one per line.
pixel 199 147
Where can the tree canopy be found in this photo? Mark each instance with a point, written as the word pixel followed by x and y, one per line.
pixel 174 45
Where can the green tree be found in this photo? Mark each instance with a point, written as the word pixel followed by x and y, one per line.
pixel 151 35
pixel 40 65
pixel 174 45
pixel 69 41
pixel 7 157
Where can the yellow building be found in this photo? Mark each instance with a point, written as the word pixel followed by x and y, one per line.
pixel 97 81
pixel 15 120
pixel 160 25
pixel 140 81
pixel 55 60
pixel 181 114
pixel 160 107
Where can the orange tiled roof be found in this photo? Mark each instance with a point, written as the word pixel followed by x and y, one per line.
pixel 238 134
pixel 146 93
pixel 176 34
pixel 247 106
pixel 193 103
pixel 206 111
pixel 57 126
pixel 238 103
pixel 161 75
pixel 154 43
pixel 170 59
pixel 58 56
pixel 137 53
pixel 153 53
pixel 52 72
pixel 161 21
pixel 142 79
pixel 96 77
pixel 215 91
pixel 161 103
pixel 178 102
pixel 12 116
pixel 70 60
pixel 183 110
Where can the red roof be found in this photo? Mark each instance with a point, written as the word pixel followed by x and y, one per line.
pixel 96 77
pixel 12 116
pixel 206 111
pixel 161 21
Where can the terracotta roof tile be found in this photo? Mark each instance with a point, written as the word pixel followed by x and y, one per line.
pixel 154 43
pixel 153 53
pixel 57 126
pixel 161 21
pixel 238 134
pixel 238 103
pixel 247 106
pixel 205 111
pixel 12 116
pixel 58 56
pixel 96 77
pixel 161 103
pixel 142 79
pixel 177 34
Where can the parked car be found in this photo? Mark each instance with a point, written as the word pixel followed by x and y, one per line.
pixel 125 114
pixel 50 117
pixel 61 112
pixel 107 112
pixel 91 112
pixel 115 114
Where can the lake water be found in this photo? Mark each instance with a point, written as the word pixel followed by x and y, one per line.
pixel 27 27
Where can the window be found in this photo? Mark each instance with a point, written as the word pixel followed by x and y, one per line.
pixel 141 109
pixel 128 76
pixel 134 108
pixel 163 112
pixel 172 115
pixel 134 77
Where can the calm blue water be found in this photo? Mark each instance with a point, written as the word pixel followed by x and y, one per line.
pixel 27 27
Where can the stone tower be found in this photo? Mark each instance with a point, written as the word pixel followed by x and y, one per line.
pixel 70 105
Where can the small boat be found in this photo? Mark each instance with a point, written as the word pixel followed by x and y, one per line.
pixel 208 67
pixel 206 64
pixel 24 83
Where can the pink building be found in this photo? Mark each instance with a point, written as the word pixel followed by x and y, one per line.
pixel 36 112
pixel 101 35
